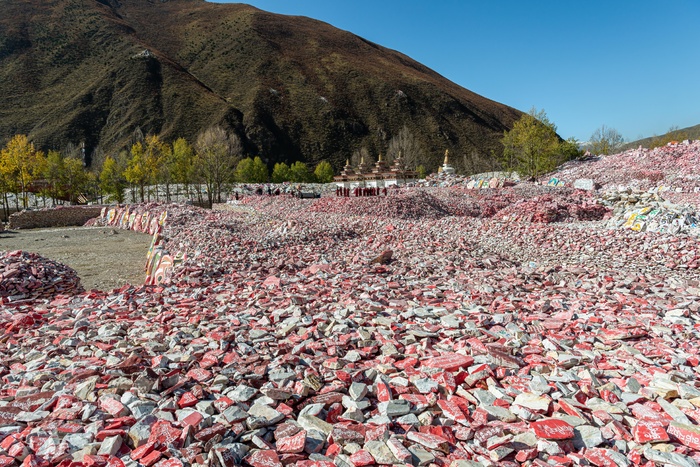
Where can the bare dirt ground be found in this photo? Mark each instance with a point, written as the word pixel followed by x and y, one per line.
pixel 104 258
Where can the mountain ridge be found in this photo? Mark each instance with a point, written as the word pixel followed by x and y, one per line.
pixel 293 88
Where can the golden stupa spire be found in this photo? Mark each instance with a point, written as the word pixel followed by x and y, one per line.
pixel 380 157
pixel 447 154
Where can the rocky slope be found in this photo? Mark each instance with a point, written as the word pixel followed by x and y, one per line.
pixel 293 88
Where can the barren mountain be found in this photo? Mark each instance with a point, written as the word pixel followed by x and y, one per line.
pixel 292 88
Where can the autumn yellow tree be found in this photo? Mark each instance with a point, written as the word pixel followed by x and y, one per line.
pixel 182 166
pixel 20 165
pixel 136 172
pixel 112 179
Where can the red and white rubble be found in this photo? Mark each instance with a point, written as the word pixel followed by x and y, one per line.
pixel 491 337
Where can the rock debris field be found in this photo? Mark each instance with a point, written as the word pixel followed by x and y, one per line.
pixel 506 327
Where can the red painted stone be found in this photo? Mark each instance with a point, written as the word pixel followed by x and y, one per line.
pixel 448 361
pixel 222 403
pixel 429 440
pixel 383 392
pixel 113 407
pixel 419 401
pixel 599 457
pixel 187 400
pixel 193 419
pixel 89 460
pixel 208 433
pixel 646 431
pixel 150 459
pixel 292 444
pixel 172 462
pixel 264 458
pixel 553 429
pixel 688 435
pixel 452 411
pixel 361 458
pixel 142 451
pixel 164 433
pixel 526 454
pixel 114 461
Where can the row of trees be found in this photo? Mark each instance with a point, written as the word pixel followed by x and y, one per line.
pixel 213 162
pixel 53 175
pixel 532 148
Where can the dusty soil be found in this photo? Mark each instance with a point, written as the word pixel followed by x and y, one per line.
pixel 104 258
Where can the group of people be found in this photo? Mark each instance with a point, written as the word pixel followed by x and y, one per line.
pixel 360 191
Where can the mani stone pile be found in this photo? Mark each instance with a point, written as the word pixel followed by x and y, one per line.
pixel 421 329
pixel 29 276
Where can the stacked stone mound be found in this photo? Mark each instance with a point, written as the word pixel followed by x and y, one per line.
pixel 649 212
pixel 406 204
pixel 676 165
pixel 28 275
pixel 547 209
pixel 290 338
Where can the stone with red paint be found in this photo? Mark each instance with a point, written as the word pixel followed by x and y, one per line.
pixel 452 411
pixel 292 444
pixel 553 429
pixel 187 400
pixel 448 361
pixel 688 435
pixel 649 431
pixel 264 458
pixel 362 458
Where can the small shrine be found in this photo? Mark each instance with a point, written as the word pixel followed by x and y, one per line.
pixel 447 169
pixel 380 176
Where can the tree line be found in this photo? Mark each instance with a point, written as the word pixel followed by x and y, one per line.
pixel 150 169
pixel 216 159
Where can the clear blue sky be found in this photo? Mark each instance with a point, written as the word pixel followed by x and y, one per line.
pixel 631 65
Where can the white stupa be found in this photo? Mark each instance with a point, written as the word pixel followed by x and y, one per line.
pixel 447 169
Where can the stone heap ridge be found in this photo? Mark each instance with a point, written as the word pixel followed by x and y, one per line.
pixel 280 340
pixel 674 165
pixel 26 275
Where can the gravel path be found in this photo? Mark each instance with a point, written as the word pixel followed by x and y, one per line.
pixel 104 258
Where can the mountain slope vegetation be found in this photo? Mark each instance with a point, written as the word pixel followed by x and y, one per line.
pixel 292 88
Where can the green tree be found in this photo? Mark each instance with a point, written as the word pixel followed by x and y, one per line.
pixel 324 172
pixel 112 179
pixel 532 147
pixel 299 173
pixel 156 164
pixel 53 174
pixel 75 178
pixel 420 170
pixel 606 140
pixel 217 156
pixel 251 171
pixel 244 170
pixel 281 173
pixel 570 149
pixel 183 169
pixel 136 172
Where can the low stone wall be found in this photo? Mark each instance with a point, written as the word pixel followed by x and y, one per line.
pixel 62 216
